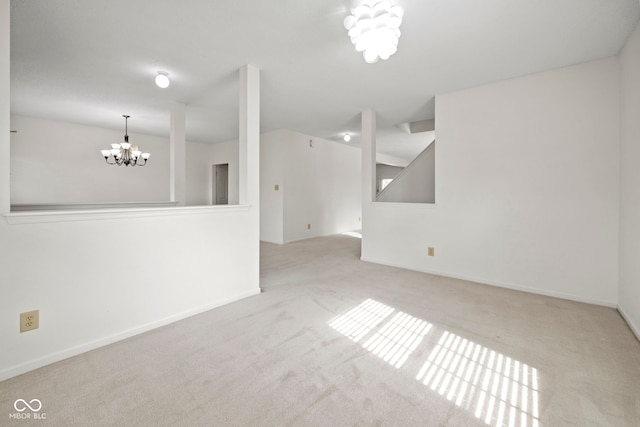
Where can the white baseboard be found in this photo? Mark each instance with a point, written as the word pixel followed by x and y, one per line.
pixel 634 328
pixel 562 295
pixel 91 345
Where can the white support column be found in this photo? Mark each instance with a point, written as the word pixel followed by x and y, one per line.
pixel 5 109
pixel 368 146
pixel 177 155
pixel 249 161
pixel 249 136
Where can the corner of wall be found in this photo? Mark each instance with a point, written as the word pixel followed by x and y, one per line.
pixel 629 207
pixel 634 328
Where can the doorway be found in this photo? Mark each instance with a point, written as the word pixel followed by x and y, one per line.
pixel 220 184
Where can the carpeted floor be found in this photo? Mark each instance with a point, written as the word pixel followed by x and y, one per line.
pixel 333 341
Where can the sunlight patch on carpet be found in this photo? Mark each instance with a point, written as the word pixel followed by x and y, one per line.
pixel 397 339
pixel 497 389
pixel 360 320
pixel 394 342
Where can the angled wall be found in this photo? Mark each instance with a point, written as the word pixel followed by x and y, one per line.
pixel 415 183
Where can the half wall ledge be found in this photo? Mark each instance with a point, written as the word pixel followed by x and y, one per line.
pixel 48 216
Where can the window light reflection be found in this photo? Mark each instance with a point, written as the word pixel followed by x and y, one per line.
pixel 498 390
pixel 355 234
pixel 396 340
pixel 360 320
pixel 495 388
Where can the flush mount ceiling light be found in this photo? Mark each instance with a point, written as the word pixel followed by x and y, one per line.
pixel 374 28
pixel 162 79
pixel 125 153
pixel 347 137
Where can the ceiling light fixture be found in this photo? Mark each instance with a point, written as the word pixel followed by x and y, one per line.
pixel 125 153
pixel 347 137
pixel 162 79
pixel 374 28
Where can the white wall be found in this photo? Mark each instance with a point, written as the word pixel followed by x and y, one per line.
pixel 120 275
pixel 527 188
pixel 319 184
pixel 272 175
pixel 629 303
pixel 58 162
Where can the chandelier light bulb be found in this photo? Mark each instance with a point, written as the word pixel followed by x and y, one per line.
pixel 162 79
pixel 374 28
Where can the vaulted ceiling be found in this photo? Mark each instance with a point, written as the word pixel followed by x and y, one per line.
pixel 90 61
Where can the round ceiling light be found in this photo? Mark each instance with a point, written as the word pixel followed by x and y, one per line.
pixel 347 137
pixel 162 79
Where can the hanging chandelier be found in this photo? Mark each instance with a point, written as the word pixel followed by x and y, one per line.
pixel 374 28
pixel 125 153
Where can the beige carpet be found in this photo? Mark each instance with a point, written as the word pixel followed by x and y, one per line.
pixel 333 341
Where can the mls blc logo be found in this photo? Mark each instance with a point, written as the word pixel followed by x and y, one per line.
pixel 34 406
pixel 21 405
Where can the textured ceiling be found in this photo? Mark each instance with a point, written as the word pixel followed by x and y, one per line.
pixel 90 61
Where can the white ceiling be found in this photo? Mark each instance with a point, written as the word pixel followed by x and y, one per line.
pixel 90 61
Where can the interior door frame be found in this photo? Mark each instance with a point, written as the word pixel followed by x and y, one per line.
pixel 214 186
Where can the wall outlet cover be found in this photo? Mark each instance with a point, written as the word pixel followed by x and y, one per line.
pixel 29 320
